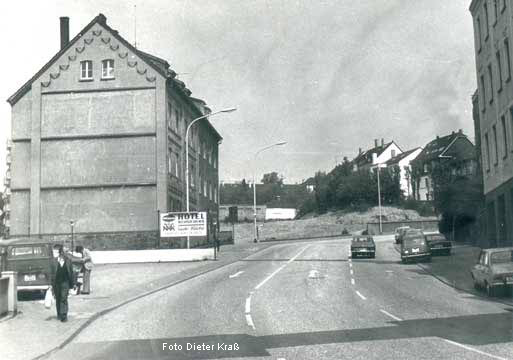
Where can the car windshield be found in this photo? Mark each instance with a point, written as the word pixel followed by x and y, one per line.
pixel 28 251
pixel 501 257
pixel 435 237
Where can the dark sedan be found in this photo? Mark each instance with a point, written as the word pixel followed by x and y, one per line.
pixel 438 244
pixel 363 245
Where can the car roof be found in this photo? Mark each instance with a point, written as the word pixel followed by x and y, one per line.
pixel 498 249
pixel 24 241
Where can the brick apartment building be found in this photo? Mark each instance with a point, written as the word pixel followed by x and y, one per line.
pixel 98 137
pixel 493 37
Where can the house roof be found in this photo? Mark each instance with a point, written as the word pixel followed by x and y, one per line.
pixel 366 156
pixel 437 147
pixel 398 158
pixel 160 65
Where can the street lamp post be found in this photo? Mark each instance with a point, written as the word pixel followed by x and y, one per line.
pixel 187 153
pixel 72 224
pixel 254 186
pixel 379 199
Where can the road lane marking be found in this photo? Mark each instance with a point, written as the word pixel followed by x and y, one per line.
pixel 390 315
pixel 360 295
pixel 249 321
pixel 280 268
pixel 474 350
pixel 351 271
pixel 350 264
pixel 248 305
pixel 236 274
pixel 352 281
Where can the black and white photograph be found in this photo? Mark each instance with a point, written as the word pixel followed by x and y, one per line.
pixel 256 179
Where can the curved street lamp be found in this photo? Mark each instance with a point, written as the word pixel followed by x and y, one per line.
pixel 254 184
pixel 227 110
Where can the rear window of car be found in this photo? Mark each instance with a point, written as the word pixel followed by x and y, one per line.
pixel 414 241
pixel 435 237
pixel 502 257
pixel 20 252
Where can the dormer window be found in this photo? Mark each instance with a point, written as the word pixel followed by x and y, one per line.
pixel 86 70
pixel 108 69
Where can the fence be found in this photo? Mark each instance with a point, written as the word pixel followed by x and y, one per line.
pixel 390 226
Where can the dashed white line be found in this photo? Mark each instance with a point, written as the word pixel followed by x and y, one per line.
pixel 280 268
pixel 352 281
pixel 351 271
pixel 474 350
pixel 249 321
pixel 248 305
pixel 390 315
pixel 350 264
pixel 236 274
pixel 360 295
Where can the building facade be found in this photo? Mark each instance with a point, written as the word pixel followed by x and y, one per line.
pixel 98 143
pixel 493 36
pixel 403 163
pixel 454 149
pixel 379 154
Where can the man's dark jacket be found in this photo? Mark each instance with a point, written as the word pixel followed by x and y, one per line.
pixel 69 268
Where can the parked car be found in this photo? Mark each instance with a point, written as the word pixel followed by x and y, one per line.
pixel 31 259
pixel 363 245
pixel 414 246
pixel 399 232
pixel 438 244
pixel 494 269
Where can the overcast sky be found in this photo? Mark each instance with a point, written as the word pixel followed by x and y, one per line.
pixel 328 77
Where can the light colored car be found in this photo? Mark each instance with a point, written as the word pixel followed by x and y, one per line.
pixel 494 269
pixel 414 246
pixel 399 232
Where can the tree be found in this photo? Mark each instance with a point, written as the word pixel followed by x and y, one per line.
pixel 273 178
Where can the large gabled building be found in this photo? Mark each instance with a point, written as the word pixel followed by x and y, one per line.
pixel 379 154
pixel 98 138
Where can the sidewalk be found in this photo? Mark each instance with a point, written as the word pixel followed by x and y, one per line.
pixel 35 331
pixel 454 270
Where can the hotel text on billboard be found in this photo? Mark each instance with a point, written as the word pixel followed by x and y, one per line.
pixel 179 224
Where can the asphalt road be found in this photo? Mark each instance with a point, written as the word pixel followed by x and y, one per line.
pixel 304 300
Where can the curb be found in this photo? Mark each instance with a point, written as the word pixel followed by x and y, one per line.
pixel 10 315
pixel 100 313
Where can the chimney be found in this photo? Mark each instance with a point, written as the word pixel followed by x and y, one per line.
pixel 64 31
pixel 375 142
pixel 359 151
pixel 460 131
pixel 382 142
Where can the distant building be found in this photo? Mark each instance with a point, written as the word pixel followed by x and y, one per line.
pixel 379 154
pixel 493 37
pixel 98 137
pixel 403 163
pixel 455 147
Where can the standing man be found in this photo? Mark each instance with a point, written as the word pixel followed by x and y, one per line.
pixel 87 267
pixel 62 281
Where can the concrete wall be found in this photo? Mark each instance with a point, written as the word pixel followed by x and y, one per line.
pixel 4 295
pixel 280 214
pixel 112 112
pixel 99 210
pixel 20 167
pixel 21 118
pixel 389 227
pixel 244 212
pixel 98 161
pixel 20 212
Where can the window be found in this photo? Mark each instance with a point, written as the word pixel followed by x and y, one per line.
pixel 505 135
pixel 487 143
pixel 393 153
pixel 495 11
pixel 108 69
pixel 483 92
pixel 508 59
pixel 170 163
pixel 490 75
pixel 425 169
pixel 86 70
pixel 494 129
pixel 499 69
pixel 178 168
pixel 177 121
pixel 511 123
pixel 214 160
pixel 487 21
pixel 169 115
pixel 215 195
pixel 479 34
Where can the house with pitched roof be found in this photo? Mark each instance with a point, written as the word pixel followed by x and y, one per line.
pixel 379 154
pixel 402 163
pixel 455 149
pixel 98 141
